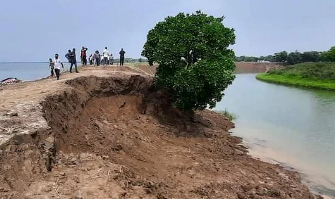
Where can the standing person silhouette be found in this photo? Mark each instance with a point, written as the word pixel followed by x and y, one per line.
pixel 83 55
pixel 73 60
pixel 97 58
pixel 105 55
pixel 91 59
pixel 68 54
pixel 122 52
pixel 52 67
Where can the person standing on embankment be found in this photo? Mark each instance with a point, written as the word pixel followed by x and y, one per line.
pixel 105 55
pixel 83 56
pixel 122 52
pixel 68 56
pixel 96 57
pixel 91 59
pixel 111 59
pixel 57 64
pixel 51 67
pixel 73 60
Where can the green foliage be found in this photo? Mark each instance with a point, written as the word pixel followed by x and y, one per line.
pixel 329 55
pixel 195 63
pixel 313 75
pixel 228 115
pixel 246 59
pixel 293 57
pixel 281 56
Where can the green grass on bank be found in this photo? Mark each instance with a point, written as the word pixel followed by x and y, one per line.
pixel 310 75
pixel 315 71
pixel 297 81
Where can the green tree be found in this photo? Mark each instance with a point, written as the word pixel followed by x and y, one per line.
pixel 140 60
pixel 270 58
pixel 246 59
pixel 294 58
pixel 281 56
pixel 195 64
pixel 329 55
pixel 311 56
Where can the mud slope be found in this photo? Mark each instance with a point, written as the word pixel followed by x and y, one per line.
pixel 117 137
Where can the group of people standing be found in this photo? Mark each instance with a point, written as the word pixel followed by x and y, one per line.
pixel 106 58
pixel 95 59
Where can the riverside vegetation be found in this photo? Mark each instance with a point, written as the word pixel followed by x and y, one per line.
pixel 311 75
pixel 228 115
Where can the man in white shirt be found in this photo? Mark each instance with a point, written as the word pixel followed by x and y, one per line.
pixel 57 65
pixel 105 55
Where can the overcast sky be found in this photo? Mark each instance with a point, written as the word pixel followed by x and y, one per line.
pixel 33 30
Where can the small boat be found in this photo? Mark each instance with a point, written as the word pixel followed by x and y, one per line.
pixel 10 80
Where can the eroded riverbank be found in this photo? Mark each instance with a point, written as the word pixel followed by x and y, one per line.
pixel 106 133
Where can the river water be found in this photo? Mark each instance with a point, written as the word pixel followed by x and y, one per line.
pixel 291 126
pixel 26 71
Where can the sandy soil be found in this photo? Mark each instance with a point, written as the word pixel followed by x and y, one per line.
pixel 107 133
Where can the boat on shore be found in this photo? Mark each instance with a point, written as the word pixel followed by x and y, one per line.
pixel 10 80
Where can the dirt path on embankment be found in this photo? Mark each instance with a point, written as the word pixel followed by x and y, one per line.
pixel 107 133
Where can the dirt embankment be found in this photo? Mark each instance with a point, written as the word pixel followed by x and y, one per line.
pixel 117 137
pixel 254 67
pixel 241 67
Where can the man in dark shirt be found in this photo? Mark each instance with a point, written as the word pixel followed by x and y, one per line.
pixel 68 56
pixel 73 60
pixel 122 52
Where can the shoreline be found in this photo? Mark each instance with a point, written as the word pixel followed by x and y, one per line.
pixel 199 160
pixel 268 155
pixel 297 82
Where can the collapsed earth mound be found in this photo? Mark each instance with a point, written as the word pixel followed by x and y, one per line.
pixel 118 137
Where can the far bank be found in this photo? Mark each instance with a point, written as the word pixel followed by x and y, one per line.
pixel 308 75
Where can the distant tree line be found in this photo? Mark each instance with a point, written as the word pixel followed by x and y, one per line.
pixel 293 57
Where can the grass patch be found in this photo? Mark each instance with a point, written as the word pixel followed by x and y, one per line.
pixel 228 115
pixel 312 71
pixel 318 75
pixel 298 81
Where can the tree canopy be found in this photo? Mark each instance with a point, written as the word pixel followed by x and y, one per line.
pixel 329 55
pixel 195 63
